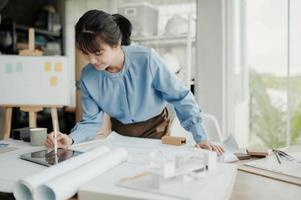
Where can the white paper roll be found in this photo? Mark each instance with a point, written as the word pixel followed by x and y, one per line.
pixel 26 187
pixel 66 185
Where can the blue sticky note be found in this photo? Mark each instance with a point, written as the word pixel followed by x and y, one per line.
pixel 8 68
pixel 19 67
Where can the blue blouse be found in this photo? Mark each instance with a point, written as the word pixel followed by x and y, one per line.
pixel 137 93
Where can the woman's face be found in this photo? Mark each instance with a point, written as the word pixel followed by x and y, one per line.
pixel 103 58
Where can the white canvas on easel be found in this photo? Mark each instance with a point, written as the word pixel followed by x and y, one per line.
pixel 34 80
pixel 31 83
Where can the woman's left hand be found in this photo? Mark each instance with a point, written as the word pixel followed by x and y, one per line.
pixel 210 146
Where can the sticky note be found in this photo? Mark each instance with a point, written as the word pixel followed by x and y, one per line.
pixel 58 67
pixel 8 68
pixel 47 67
pixel 19 67
pixel 53 81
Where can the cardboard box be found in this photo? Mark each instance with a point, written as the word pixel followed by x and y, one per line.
pixel 143 16
pixel 172 140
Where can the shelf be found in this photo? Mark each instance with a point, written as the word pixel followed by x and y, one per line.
pixel 163 40
pixel 19 33
pixel 39 31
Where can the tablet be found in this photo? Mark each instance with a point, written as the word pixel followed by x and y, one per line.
pixel 48 158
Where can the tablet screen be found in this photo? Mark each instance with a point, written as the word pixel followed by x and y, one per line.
pixel 48 157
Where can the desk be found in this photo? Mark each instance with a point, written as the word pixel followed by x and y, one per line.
pixel 221 179
pixel 250 186
pixel 104 186
pixel 247 186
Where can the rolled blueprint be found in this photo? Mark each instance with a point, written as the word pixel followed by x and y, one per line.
pixel 66 185
pixel 26 187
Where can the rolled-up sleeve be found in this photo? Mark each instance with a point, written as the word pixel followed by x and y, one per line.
pixel 91 120
pixel 174 91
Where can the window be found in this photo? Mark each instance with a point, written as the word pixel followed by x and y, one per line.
pixel 272 48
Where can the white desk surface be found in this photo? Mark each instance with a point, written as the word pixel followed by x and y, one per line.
pixel 13 169
pixel 247 186
pixel 104 186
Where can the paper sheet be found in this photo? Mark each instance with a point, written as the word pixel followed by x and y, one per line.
pixel 139 149
pixel 7 149
pixel 26 188
pixel 227 158
pixel 66 185
pixel 230 144
pixel 290 168
pixel 143 147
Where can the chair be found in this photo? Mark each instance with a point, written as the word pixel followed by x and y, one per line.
pixel 210 124
pixel 212 128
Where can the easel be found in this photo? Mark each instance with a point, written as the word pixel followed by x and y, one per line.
pixel 32 110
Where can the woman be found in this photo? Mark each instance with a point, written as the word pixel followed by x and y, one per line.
pixel 130 83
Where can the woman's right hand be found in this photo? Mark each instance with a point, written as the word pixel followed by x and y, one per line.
pixel 63 140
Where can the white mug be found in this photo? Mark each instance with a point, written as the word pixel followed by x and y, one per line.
pixel 38 136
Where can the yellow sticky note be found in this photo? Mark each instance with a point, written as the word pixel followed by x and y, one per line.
pixel 47 67
pixel 58 67
pixel 53 81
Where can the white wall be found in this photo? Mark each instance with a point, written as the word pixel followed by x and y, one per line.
pixel 210 69
pixel 221 80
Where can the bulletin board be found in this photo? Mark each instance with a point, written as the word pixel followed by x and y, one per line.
pixel 34 80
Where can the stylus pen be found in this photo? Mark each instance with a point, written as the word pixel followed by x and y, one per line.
pixel 55 127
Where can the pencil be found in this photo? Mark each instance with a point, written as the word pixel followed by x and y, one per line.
pixel 278 158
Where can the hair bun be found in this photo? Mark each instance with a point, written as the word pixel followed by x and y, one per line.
pixel 125 27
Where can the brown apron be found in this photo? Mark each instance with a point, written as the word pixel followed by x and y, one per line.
pixel 155 127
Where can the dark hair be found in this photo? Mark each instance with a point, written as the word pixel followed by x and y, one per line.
pixel 97 26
